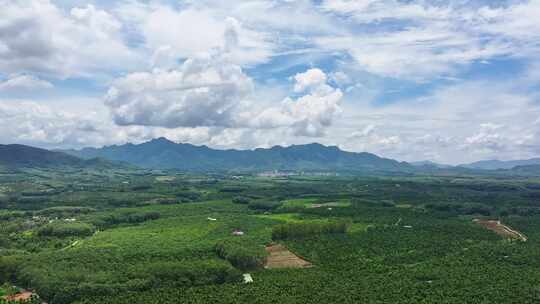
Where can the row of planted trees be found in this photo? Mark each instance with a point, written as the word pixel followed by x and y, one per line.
pixel 307 229
pixel 241 255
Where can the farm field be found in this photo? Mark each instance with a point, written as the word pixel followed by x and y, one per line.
pixel 129 236
pixel 281 257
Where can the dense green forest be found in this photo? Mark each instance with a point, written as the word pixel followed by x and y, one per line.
pixel 132 236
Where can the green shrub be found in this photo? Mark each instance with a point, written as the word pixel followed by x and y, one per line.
pixel 191 273
pixel 302 230
pixel 241 200
pixel 58 229
pixel 38 193
pixel 231 189
pixel 130 217
pixel 8 215
pixel 167 201
pixel 30 200
pixel 64 210
pixel 8 267
pixel 141 188
pixel 464 209
pixel 188 196
pixel 388 203
pixel 264 205
pixel 240 255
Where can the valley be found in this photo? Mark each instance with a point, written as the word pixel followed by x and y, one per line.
pixel 121 235
pixel 269 151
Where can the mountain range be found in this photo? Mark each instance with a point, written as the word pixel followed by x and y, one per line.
pixel 164 154
pixel 20 156
pixel 13 156
pixel 499 164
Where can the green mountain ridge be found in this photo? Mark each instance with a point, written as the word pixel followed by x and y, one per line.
pixel 499 164
pixel 164 154
pixel 25 156
pixel 14 156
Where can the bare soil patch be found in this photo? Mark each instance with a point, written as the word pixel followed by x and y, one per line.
pixel 281 257
pixel 19 297
pixel 501 229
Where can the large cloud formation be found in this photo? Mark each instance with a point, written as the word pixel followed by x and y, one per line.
pixel 204 91
pixel 38 37
pixel 210 90
pixel 310 114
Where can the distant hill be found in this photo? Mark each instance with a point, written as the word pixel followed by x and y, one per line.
pixel 164 154
pixel 527 169
pixel 21 156
pixel 498 164
pixel 13 156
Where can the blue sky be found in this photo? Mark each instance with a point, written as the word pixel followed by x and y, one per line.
pixel 449 81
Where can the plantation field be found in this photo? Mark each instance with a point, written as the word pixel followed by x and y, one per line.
pixel 281 257
pixel 143 237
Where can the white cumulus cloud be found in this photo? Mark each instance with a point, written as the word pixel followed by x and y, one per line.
pixel 203 91
pixel 312 78
pixel 209 90
pixel 193 29
pixel 310 114
pixel 36 36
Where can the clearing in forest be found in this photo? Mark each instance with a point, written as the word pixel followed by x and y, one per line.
pixel 22 296
pixel 281 257
pixel 501 229
pixel 165 178
pixel 331 204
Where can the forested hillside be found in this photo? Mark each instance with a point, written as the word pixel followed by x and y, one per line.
pixel 164 154
pixel 25 156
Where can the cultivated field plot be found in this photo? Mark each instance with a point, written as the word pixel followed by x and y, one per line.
pixel 281 257
pixel 502 230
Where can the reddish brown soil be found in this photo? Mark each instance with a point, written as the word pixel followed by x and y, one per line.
pixel 281 257
pixel 21 296
pixel 502 230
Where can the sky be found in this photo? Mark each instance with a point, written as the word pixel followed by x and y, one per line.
pixel 451 81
